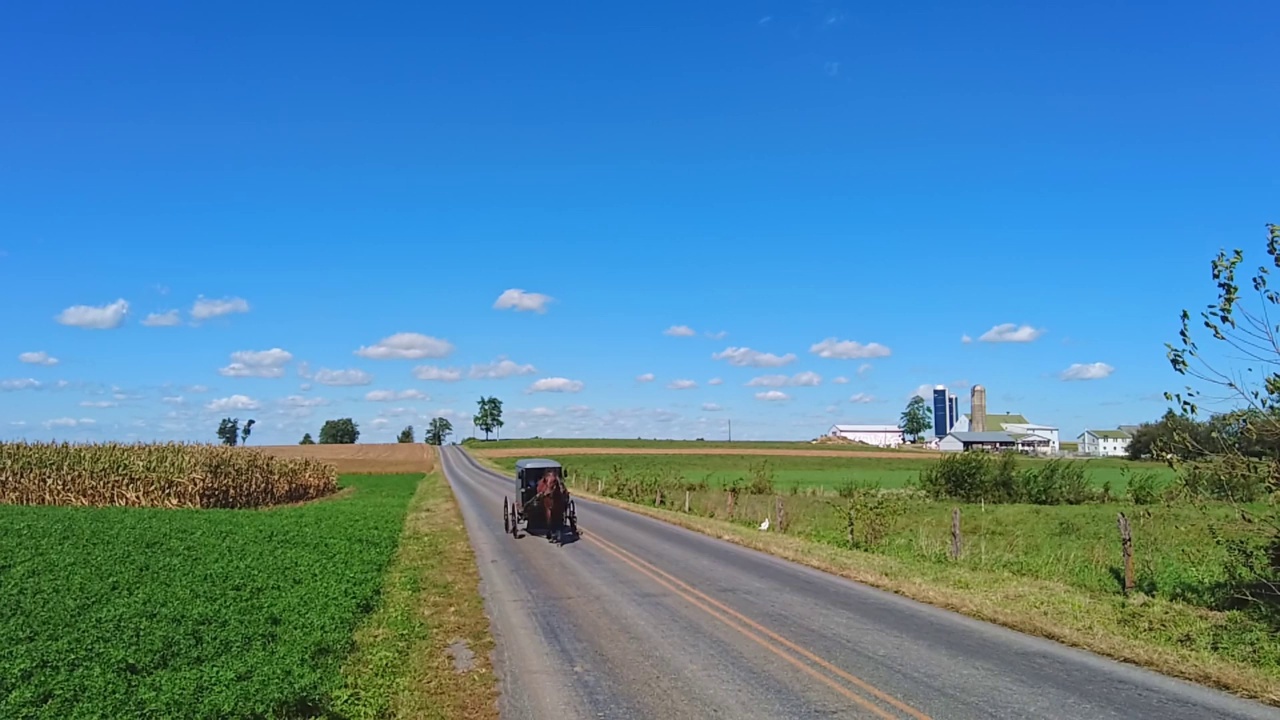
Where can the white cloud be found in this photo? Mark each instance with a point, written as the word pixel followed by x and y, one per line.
pixel 863 369
pixel 431 372
pixel 106 317
pixel 234 402
pixel 20 384
pixel 501 368
pixel 711 407
pixel 257 363
pixel 861 398
pixel 720 335
pixel 198 389
pixel 164 319
pixel 1087 371
pixel 380 422
pixel 746 357
pixel 772 396
pixel 680 331
pixel 715 381
pixel 848 349
pixel 387 395
pixel 682 385
pixel 207 308
pixel 38 358
pixel 806 379
pixel 98 403
pixel 647 377
pixel 578 410
pixel 342 377
pixel 174 400
pixel 407 346
pixel 67 422
pixel 555 384
pixel 842 380
pixel 1009 332
pixel 542 412
pixel 520 301
pixel 299 401
pixel 966 339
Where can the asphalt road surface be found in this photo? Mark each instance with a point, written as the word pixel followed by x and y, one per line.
pixel 641 619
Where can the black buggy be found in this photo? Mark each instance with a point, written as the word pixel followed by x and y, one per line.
pixel 526 508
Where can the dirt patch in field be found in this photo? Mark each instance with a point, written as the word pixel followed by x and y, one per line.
pixel 552 452
pixel 364 458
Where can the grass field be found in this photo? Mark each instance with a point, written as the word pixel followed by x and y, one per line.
pixel 1055 571
pixel 495 446
pixel 340 607
pixel 799 471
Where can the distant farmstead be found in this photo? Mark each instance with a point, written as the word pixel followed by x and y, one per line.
pixel 878 435
pixel 1106 443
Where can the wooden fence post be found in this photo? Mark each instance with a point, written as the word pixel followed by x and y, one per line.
pixel 730 503
pixel 956 545
pixel 849 526
pixel 686 501
pixel 658 500
pixel 1126 548
pixel 600 486
pixel 780 513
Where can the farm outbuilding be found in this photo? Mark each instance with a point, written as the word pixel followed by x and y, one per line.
pixel 878 435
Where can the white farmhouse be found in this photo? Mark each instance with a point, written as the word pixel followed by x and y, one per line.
pixel 878 435
pixel 1105 443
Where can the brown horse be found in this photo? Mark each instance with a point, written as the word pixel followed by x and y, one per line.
pixel 555 499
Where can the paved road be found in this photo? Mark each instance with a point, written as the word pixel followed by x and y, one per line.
pixel 641 619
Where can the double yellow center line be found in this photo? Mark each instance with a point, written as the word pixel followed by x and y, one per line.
pixel 853 688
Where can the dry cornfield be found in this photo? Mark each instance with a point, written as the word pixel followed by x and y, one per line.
pixel 168 475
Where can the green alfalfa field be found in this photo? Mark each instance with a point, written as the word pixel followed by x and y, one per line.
pixel 338 607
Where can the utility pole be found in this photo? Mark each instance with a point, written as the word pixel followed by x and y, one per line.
pixel 730 431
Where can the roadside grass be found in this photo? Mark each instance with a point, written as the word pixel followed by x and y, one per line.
pixel 800 472
pixel 142 612
pixel 480 445
pixel 1052 571
pixel 431 613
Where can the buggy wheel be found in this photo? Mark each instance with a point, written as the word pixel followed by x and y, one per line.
pixel 573 519
pixel 506 516
pixel 515 522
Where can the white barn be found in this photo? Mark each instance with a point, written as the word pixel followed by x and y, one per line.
pixel 878 435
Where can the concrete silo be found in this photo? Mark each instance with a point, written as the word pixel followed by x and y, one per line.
pixel 978 409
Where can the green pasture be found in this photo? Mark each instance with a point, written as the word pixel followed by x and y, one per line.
pixel 536 443
pixel 140 612
pixel 792 471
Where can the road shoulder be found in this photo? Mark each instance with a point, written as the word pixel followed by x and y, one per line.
pixel 425 650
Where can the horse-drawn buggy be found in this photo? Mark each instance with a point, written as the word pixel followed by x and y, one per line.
pixel 542 500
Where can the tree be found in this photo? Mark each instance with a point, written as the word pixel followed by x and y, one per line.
pixel 1236 457
pixel 306 439
pixel 489 418
pixel 406 435
pixel 916 419
pixel 244 432
pixel 229 431
pixel 438 431
pixel 343 431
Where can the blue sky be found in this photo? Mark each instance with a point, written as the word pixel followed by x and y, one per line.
pixel 299 182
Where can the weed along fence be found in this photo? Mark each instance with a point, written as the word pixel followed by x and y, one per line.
pixel 1043 521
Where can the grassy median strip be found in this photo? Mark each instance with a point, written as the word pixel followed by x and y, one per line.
pixel 1036 573
pixel 424 653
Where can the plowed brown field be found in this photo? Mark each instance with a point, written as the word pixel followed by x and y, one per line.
pixel 552 452
pixel 365 457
